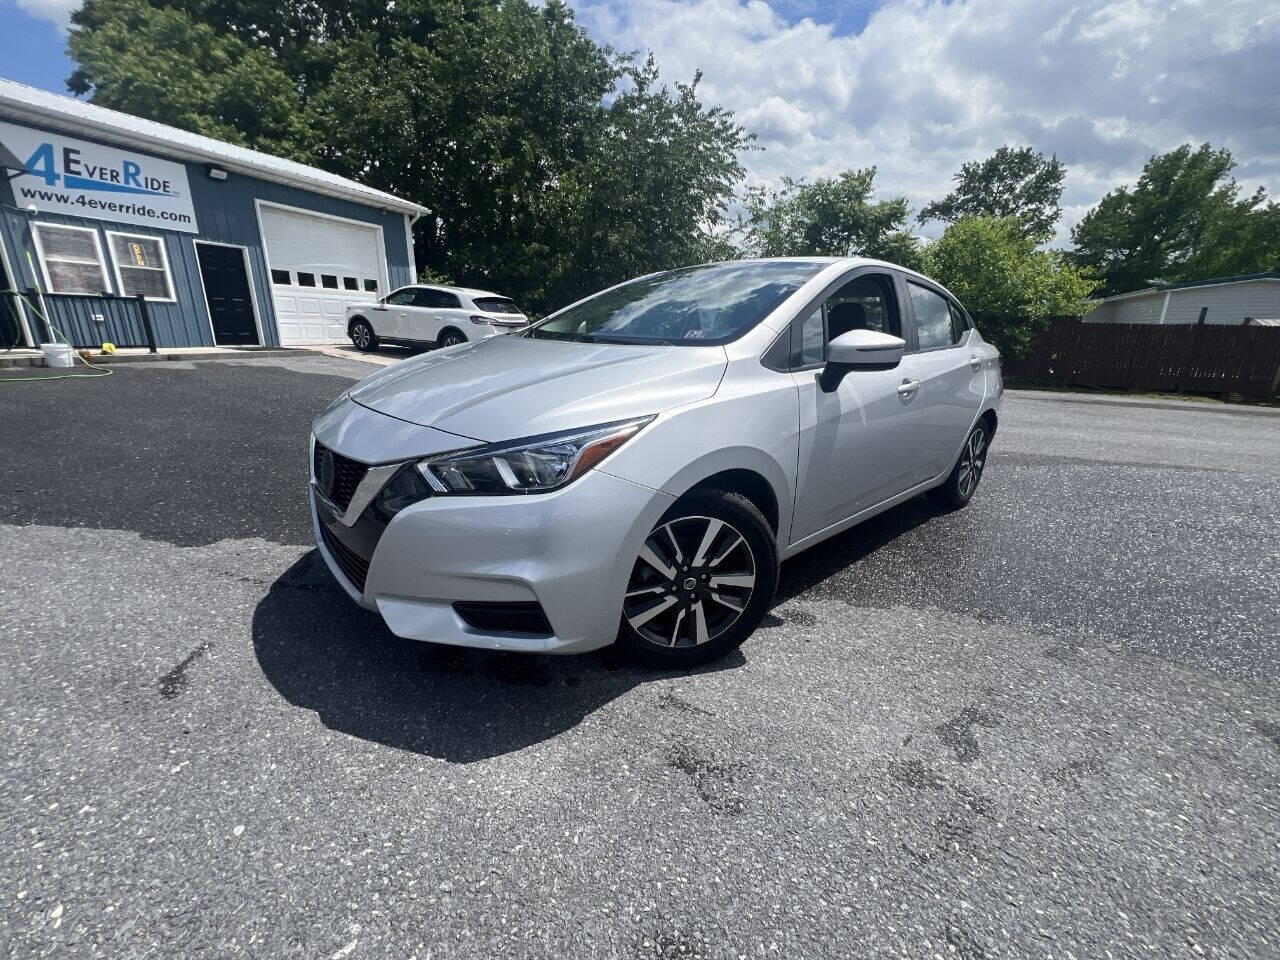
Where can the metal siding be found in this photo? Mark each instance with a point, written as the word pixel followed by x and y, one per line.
pixel 1228 304
pixel 225 213
pixel 1141 309
pixel 1102 313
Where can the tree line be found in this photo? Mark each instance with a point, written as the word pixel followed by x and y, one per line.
pixel 1186 218
pixel 555 166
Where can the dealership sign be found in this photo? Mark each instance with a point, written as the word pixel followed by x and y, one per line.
pixel 82 179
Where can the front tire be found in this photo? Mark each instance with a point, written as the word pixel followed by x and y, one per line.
pixel 704 580
pixel 962 482
pixel 362 336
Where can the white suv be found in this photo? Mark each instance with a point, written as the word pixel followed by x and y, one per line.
pixel 420 315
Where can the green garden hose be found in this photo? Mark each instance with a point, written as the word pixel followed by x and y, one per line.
pixel 97 371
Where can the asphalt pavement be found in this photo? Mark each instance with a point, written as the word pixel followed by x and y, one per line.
pixel 1043 726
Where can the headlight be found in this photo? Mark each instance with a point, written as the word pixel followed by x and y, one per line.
pixel 532 465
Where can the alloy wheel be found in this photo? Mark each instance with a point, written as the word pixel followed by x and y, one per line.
pixel 361 335
pixel 972 461
pixel 692 581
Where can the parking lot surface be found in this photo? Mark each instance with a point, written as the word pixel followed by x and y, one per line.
pixel 1044 726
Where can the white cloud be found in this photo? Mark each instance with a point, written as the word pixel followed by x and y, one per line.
pixel 57 12
pixel 927 85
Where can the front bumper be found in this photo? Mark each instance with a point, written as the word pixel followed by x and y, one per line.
pixel 571 551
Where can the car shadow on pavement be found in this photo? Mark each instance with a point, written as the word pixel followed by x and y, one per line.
pixel 324 653
pixel 830 557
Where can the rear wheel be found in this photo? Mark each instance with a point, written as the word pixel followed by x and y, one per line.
pixel 362 336
pixel 450 337
pixel 962 483
pixel 703 581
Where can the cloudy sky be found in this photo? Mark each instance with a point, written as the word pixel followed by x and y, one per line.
pixel 918 87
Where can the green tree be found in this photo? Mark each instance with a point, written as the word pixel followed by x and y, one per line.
pixel 1012 288
pixel 1184 219
pixel 552 166
pixel 832 216
pixel 182 72
pixel 1012 182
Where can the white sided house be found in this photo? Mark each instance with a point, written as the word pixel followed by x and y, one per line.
pixel 1229 301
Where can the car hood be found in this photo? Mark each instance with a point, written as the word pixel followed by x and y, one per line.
pixel 509 387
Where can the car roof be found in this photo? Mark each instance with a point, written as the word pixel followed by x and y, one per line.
pixel 848 263
pixel 466 291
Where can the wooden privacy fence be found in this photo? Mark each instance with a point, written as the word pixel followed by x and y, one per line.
pixel 1202 358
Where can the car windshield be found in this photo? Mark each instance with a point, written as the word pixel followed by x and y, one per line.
pixel 691 306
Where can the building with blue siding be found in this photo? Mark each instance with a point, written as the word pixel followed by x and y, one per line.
pixel 105 217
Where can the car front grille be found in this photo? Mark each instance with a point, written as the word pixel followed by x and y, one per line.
pixel 517 617
pixel 336 476
pixel 353 566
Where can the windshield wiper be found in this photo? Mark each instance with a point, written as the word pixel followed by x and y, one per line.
pixel 637 341
pixel 535 334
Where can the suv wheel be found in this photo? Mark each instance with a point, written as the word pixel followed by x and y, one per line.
pixel 363 337
pixel 450 337
pixel 962 483
pixel 703 581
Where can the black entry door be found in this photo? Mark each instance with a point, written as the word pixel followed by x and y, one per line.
pixel 226 288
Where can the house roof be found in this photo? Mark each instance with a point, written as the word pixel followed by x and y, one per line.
pixel 20 102
pixel 1214 282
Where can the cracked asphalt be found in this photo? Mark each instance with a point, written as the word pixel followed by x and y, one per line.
pixel 1044 726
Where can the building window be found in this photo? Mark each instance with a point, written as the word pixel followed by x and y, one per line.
pixel 142 266
pixel 280 276
pixel 329 281
pixel 371 286
pixel 350 283
pixel 306 279
pixel 71 258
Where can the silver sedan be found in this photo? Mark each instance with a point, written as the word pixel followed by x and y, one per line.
pixel 634 467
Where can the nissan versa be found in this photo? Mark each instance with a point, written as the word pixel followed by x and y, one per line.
pixel 635 466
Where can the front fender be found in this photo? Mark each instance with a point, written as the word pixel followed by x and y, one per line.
pixel 753 430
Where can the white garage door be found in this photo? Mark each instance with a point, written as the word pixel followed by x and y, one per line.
pixel 319 265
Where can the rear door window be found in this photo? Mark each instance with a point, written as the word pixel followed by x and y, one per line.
pixel 436 300
pixel 934 326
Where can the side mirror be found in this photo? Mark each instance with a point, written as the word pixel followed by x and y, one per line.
pixel 860 350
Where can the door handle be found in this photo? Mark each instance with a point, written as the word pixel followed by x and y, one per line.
pixel 975 361
pixel 907 388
